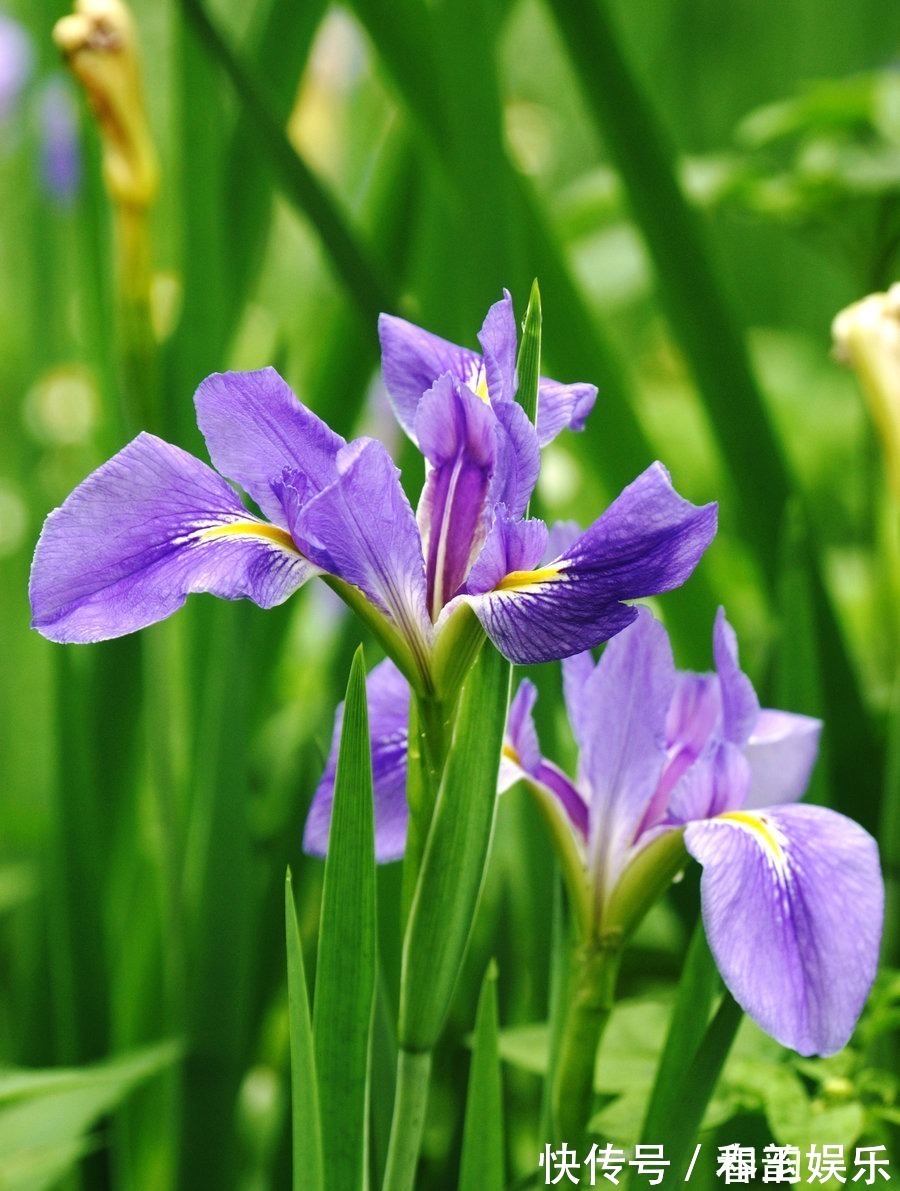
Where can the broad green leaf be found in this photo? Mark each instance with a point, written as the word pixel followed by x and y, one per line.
pixel 45 1115
pixel 345 976
pixel 455 855
pixel 482 1165
pixel 306 1129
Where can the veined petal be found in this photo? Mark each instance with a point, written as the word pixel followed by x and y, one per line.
pixel 457 433
pixel 255 427
pixel 413 359
pixel 648 541
pixel 362 530
pixel 793 902
pixel 740 706
pixel 782 751
pixel 562 407
pixel 387 692
pixel 511 545
pixel 142 532
pixel 717 782
pixel 518 459
pixel 628 693
pixel 498 341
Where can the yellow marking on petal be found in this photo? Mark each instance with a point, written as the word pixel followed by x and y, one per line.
pixel 481 389
pixel 252 529
pixel 510 754
pixel 758 825
pixel 517 580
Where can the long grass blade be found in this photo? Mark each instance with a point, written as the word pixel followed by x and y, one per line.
pixel 482 1164
pixel 306 1129
pixel 345 977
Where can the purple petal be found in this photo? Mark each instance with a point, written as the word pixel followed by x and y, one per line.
pixel 16 61
pixel 563 535
pixel 457 434
pixel 715 783
pixel 520 742
pixel 793 902
pixel 387 692
pixel 362 530
pixel 648 541
pixel 740 706
pixel 628 694
pixel 562 407
pixel 60 148
pixel 146 529
pixel 576 670
pixel 518 459
pixel 498 342
pixel 413 359
pixel 511 545
pixel 255 427
pixel 782 751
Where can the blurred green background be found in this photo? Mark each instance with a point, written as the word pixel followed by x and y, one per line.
pixel 699 187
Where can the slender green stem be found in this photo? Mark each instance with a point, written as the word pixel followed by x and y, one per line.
pixel 413 1071
pixel 428 733
pixel 596 966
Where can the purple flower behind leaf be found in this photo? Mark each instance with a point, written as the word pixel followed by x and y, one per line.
pixel 792 896
pixel 154 524
pixel 60 151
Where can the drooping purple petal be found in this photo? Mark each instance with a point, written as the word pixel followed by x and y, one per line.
pixel 498 342
pixel 457 433
pixel 717 782
pixel 782 751
pixel 362 530
pixel 142 532
pixel 648 541
pixel 793 902
pixel 629 693
pixel 387 692
pixel 255 427
pixel 413 359
pixel 740 706
pixel 562 407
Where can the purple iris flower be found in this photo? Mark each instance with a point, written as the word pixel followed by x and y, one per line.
pixel 155 524
pixel 60 149
pixel 792 896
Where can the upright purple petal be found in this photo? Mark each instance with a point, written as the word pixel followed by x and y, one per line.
pixel 793 903
pixel 717 782
pixel 629 694
pixel 255 427
pixel 142 532
pixel 511 545
pixel 362 530
pixel 457 434
pixel 413 359
pixel 387 692
pixel 782 751
pixel 518 459
pixel 498 341
pixel 562 407
pixel 740 706
pixel 576 671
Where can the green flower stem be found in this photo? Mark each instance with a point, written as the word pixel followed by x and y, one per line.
pixel 140 370
pixel 413 1071
pixel 428 733
pixel 596 966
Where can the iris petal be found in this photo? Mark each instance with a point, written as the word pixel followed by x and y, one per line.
pixel 150 526
pixel 782 752
pixel 793 904
pixel 387 692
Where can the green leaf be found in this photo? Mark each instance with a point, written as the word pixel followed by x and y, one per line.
pixel 693 1005
pixel 455 857
pixel 45 1115
pixel 529 362
pixel 482 1166
pixel 345 977
pixel 306 1128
